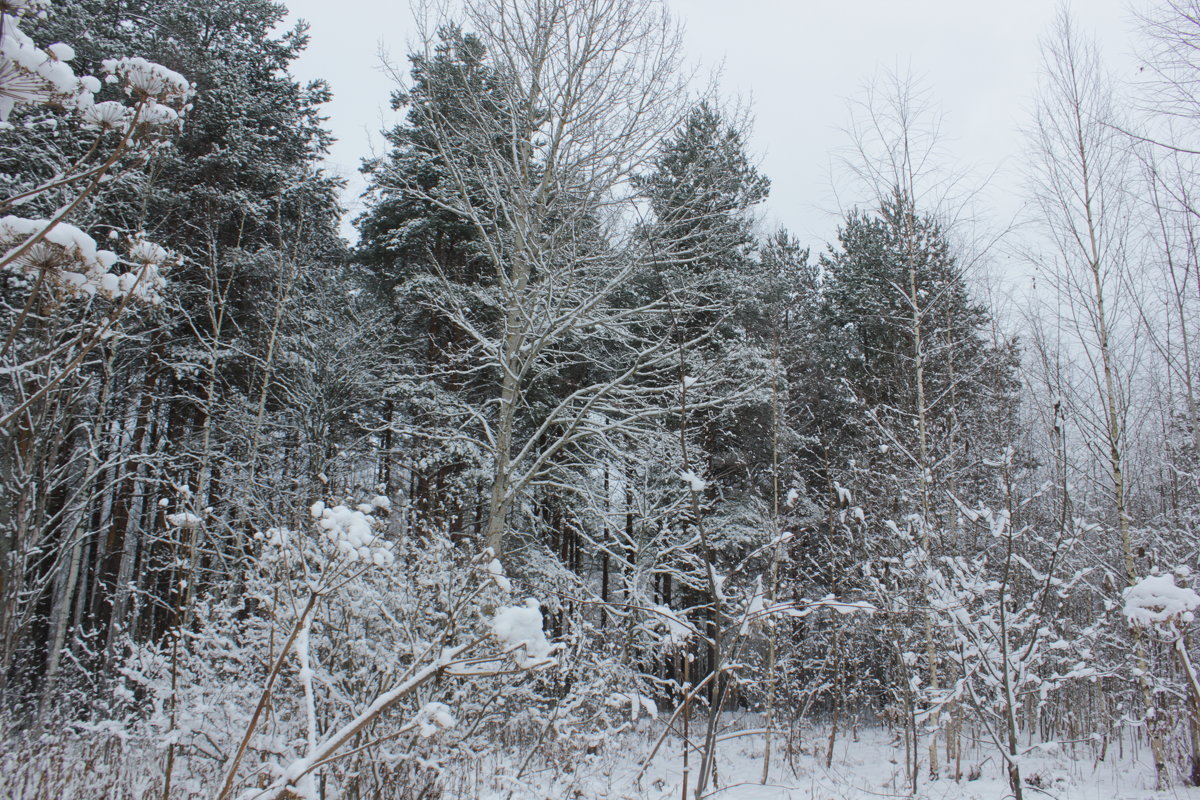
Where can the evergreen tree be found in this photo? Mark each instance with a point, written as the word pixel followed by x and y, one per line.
pixel 424 258
pixel 701 246
pixel 170 414
pixel 892 277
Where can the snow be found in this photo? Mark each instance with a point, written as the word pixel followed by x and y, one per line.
pixel 695 482
pixel 496 574
pixel 278 537
pixel 158 115
pixel 519 628
pixel 1156 600
pixel 147 78
pixel 637 703
pixel 353 533
pixel 678 631
pixel 868 764
pixel 434 717
pixel 184 519
pixel 61 52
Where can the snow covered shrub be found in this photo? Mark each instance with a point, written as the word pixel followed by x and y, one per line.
pixel 348 660
pixel 349 663
pixel 1157 604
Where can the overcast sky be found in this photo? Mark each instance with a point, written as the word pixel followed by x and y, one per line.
pixel 797 63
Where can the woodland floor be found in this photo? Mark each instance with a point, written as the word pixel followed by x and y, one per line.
pixel 866 766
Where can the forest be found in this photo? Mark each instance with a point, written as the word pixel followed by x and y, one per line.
pixel 568 477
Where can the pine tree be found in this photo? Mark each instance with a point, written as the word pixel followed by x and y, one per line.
pixel 165 411
pixel 423 259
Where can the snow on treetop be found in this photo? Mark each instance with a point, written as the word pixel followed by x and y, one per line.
pixel 1156 600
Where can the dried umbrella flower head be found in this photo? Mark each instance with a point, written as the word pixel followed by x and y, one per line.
pixel 109 115
pixel 30 75
pixel 69 259
pixel 145 79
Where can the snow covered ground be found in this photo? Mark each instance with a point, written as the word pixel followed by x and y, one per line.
pixel 866 767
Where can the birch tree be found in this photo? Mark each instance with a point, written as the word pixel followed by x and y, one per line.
pixel 1081 169
pixel 537 162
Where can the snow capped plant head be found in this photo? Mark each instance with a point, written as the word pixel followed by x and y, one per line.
pixel 145 281
pixel 157 115
pixel 353 533
pixel 30 75
pixel 36 76
pixel 63 251
pixel 146 80
pixel 144 252
pixel 107 116
pixel 66 257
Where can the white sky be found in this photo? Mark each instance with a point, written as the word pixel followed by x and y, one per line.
pixel 798 63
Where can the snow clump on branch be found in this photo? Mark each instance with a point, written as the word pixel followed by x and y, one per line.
pixel 695 482
pixel 519 628
pixel 1156 600
pixel 353 533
